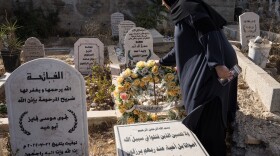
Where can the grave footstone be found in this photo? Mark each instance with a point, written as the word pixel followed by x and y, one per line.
pixel 249 27
pixel 88 51
pixel 33 49
pixel 116 19
pixel 157 138
pixel 138 46
pixel 47 109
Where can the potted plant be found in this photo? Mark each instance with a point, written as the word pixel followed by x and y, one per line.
pixel 10 46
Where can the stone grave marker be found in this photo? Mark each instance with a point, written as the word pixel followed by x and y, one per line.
pixel 124 27
pixel 116 18
pixel 249 27
pixel 157 138
pixel 88 51
pixel 47 109
pixel 138 46
pixel 33 49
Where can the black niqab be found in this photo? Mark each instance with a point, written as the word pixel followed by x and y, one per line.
pixel 182 8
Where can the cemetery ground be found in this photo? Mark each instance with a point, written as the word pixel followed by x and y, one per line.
pixel 256 130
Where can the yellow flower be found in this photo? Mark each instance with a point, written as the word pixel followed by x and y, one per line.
pixel 126 73
pixel 155 70
pixel 136 82
pixel 154 117
pixel 146 78
pixel 141 64
pixel 127 85
pixel 151 63
pixel 155 79
pixel 142 84
pixel 120 79
pixel 130 120
pixel 172 92
pixel 136 112
pixel 117 102
pixel 122 109
pixel 133 75
pixel 169 77
pixel 120 88
pixel 143 117
pixel 171 84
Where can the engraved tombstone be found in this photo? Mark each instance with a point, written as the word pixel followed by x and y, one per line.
pixel 157 138
pixel 138 45
pixel 249 27
pixel 33 49
pixel 116 18
pixel 88 51
pixel 47 109
pixel 124 27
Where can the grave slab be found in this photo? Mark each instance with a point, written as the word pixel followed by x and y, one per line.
pixel 138 45
pixel 33 49
pixel 157 138
pixel 116 19
pixel 88 51
pixel 249 27
pixel 47 109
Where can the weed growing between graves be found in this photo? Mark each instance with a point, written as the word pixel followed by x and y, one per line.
pixel 98 88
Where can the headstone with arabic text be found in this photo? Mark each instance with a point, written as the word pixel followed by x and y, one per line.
pixel 124 27
pixel 47 109
pixel 157 138
pixel 87 52
pixel 138 46
pixel 33 49
pixel 116 19
pixel 249 27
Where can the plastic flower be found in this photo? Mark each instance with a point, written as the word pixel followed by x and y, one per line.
pixel 124 96
pixel 136 82
pixel 130 120
pixel 133 75
pixel 120 79
pixel 126 73
pixel 154 117
pixel 120 88
pixel 151 63
pixel 169 77
pixel 127 85
pixel 155 70
pixel 140 64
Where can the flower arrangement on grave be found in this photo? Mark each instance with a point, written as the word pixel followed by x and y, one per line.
pixel 146 90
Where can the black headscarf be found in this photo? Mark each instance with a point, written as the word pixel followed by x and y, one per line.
pixel 182 8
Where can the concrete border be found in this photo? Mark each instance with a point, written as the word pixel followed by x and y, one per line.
pixel 260 82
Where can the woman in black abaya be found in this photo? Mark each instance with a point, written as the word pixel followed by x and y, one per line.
pixel 202 54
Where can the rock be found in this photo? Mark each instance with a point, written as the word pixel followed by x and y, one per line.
pixel 251 140
pixel 243 86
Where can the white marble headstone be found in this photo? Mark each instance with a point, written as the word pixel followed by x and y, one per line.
pixel 249 27
pixel 116 19
pixel 157 138
pixel 47 109
pixel 124 27
pixel 88 51
pixel 33 49
pixel 138 45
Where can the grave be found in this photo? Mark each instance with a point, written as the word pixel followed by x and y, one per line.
pixel 124 27
pixel 47 109
pixel 157 37
pixel 138 46
pixel 249 27
pixel 33 49
pixel 88 51
pixel 157 138
pixel 116 19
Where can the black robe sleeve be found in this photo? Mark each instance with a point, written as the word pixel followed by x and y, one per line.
pixel 207 33
pixel 169 59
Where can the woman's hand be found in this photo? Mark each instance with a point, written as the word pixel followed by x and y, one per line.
pixel 223 72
